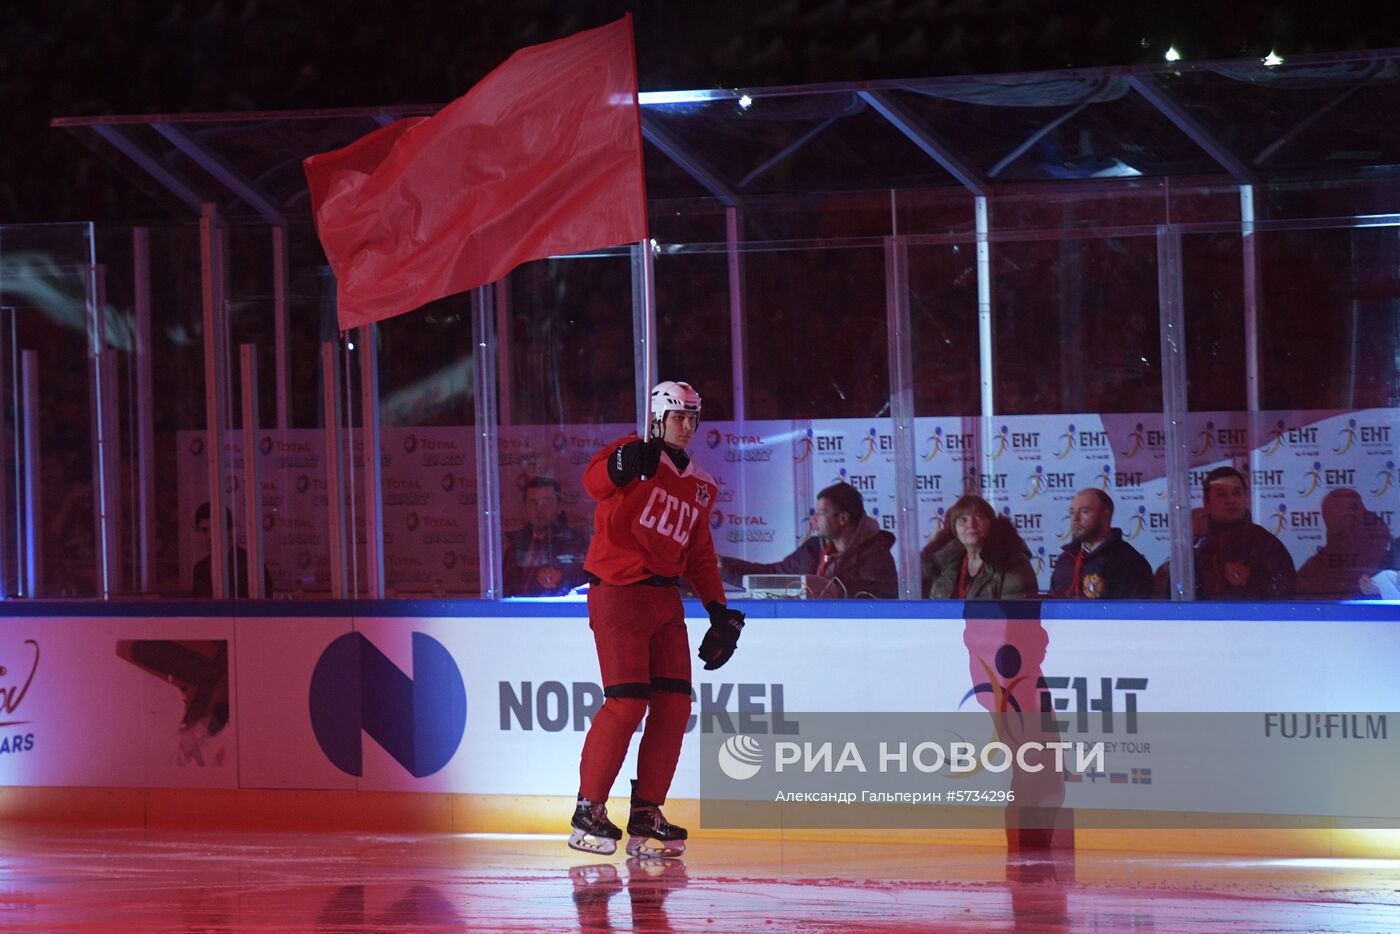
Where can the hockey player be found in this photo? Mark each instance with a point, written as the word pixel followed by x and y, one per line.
pixel 651 527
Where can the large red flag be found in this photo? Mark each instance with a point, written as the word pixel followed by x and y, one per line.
pixel 543 157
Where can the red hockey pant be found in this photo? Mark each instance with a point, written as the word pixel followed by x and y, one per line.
pixel 644 655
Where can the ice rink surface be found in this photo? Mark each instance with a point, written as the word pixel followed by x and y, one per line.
pixel 67 878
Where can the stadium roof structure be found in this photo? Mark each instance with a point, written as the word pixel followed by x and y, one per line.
pixel 1309 119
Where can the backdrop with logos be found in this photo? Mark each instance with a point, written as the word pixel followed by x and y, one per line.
pixel 1324 482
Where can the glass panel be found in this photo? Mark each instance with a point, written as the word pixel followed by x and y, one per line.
pixel 1078 387
pixel 427 403
pixel 816 381
pixel 45 282
pixel 567 391
pixel 947 387
pixel 1325 441
pixel 1076 325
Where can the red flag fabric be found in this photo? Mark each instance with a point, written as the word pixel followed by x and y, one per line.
pixel 542 157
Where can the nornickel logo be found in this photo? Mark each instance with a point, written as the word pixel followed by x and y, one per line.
pixel 418 720
pixel 740 757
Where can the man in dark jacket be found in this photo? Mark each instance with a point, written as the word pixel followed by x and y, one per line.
pixel 1097 564
pixel 545 557
pixel 847 547
pixel 1237 559
pixel 235 572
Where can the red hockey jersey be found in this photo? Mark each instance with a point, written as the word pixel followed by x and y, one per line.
pixel 656 526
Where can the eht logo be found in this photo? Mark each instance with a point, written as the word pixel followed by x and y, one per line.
pixel 418 720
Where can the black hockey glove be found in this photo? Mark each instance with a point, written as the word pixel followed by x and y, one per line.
pixel 718 644
pixel 634 459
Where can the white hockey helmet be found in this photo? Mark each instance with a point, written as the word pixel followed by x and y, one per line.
pixel 671 396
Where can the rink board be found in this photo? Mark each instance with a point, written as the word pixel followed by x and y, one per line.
pixel 505 690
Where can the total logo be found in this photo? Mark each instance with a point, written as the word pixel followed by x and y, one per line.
pixel 740 757
pixel 265 445
pixel 713 438
pixel 561 441
pixel 410 443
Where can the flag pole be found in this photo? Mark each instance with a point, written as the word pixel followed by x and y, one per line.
pixel 643 266
pixel 643 328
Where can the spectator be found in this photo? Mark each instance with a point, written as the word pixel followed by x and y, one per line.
pixel 1097 563
pixel 1235 558
pixel 203 585
pixel 545 556
pixel 1358 543
pixel 847 546
pixel 980 556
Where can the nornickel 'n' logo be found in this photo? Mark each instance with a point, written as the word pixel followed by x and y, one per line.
pixel 419 720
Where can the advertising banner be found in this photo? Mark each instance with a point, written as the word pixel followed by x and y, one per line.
pixel 118 702
pixel 1323 482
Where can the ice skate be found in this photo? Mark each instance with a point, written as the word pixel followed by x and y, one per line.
pixel 650 834
pixel 592 831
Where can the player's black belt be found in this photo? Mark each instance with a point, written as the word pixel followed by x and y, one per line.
pixel 655 580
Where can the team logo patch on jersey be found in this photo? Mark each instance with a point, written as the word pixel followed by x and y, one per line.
pixel 702 494
pixel 1093 586
pixel 1236 573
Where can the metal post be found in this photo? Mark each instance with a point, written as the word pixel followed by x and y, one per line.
pixel 1250 261
pixel 252 474
pixel 335 466
pixel 488 481
pixel 1175 414
pixel 32 546
pixel 145 411
pixel 281 342
pixel 351 525
pixel 738 371
pixel 643 327
pixel 373 486
pixel 111 487
pixel 215 392
pixel 901 364
pixel 102 399
pixel 9 355
pixel 986 358
pixel 504 373
pixel 738 368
